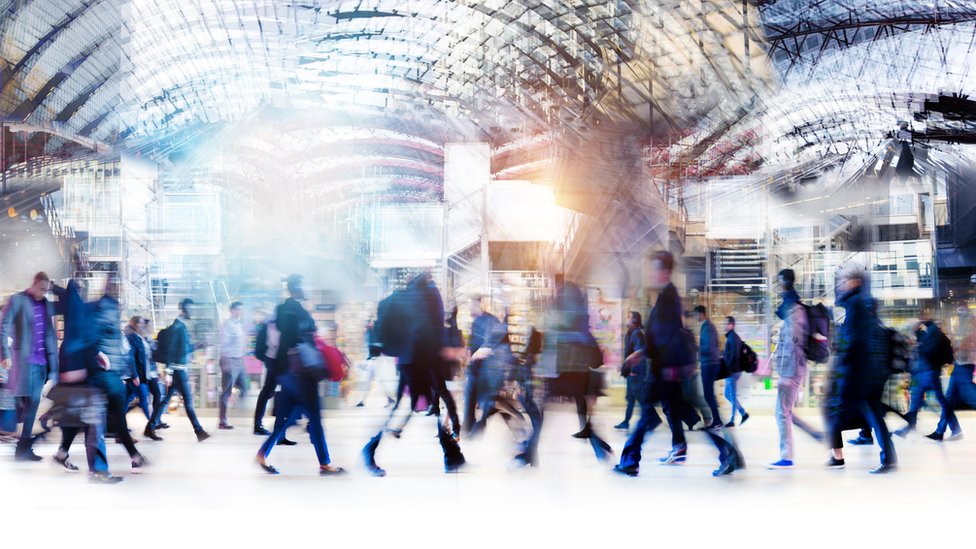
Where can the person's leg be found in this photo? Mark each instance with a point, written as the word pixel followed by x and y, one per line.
pixel 873 411
pixel 142 392
pixel 708 391
pixel 530 449
pixel 227 386
pixel 630 456
pixel 29 406
pixel 470 395
pixel 95 448
pixel 947 411
pixel 673 394
pixel 114 390
pixel 157 397
pixel 267 391
pixel 160 408
pixel 631 396
pixel 181 383
pixel 786 393
pixel 309 403
pixel 288 412
pixel 68 435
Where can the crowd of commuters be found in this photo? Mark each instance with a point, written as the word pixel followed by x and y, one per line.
pixel 100 370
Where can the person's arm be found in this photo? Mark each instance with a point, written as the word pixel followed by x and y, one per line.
pixel 61 305
pixel 7 330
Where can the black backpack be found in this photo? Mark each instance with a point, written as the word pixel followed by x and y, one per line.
pixel 818 337
pixel 748 360
pixel 392 325
pixel 899 350
pixel 943 354
pixel 164 346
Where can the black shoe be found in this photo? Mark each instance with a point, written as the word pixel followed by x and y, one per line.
pixel 861 441
pixel 395 432
pixel 585 432
pixel 730 425
pixel 270 469
pixel 360 404
pixel 745 417
pixel 151 434
pixel 623 426
pixel 376 470
pixel 162 426
pixel 202 436
pixel 455 466
pixel 66 463
pixel 726 468
pixel 834 463
pixel 225 426
pixel 935 436
pixel 27 455
pixel 883 469
pixel 260 430
pixel 286 442
pixel 139 463
pixel 524 460
pixel 715 426
pixel 104 478
pixel 628 471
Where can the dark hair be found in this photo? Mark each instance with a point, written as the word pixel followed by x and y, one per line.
pixel 638 318
pixel 701 309
pixel 788 276
pixel 135 321
pixel 294 283
pixel 185 303
pixel 41 277
pixel 235 305
pixel 665 259
pixel 730 320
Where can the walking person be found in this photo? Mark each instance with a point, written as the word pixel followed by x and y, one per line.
pixel 709 357
pixel 140 359
pixel 860 372
pixel 233 373
pixel 633 343
pixel 483 325
pixel 177 356
pixel 421 309
pixel 732 357
pixel 31 359
pixel 299 393
pixel 790 361
pixel 933 351
pixel 670 360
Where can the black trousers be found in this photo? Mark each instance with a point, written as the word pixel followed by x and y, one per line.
pixel 267 391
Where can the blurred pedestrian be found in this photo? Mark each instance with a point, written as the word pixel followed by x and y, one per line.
pixel 932 353
pixel 633 343
pixel 732 357
pixel 232 371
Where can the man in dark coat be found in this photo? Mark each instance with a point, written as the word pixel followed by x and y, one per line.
pixel 419 360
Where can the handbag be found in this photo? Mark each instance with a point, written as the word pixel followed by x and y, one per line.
pixel 306 361
pixel 336 363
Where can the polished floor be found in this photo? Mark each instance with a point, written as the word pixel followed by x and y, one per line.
pixel 214 489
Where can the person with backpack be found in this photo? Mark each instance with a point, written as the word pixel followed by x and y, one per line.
pixel 790 361
pixel 420 310
pixel 299 390
pixel 671 358
pixel 860 371
pixel 732 359
pixel 271 375
pixel 932 353
pixel 174 349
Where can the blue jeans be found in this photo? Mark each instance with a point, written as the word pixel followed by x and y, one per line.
pixel 299 396
pixel 731 395
pixel 181 384
pixel 922 383
pixel 633 385
pixel 141 391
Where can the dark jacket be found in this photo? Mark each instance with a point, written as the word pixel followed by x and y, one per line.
pixel 633 343
pixel 107 316
pixel 927 350
pixel 482 328
pixel 141 362
pixel 296 326
pixel 708 353
pixel 18 324
pixel 662 333
pixel 732 354
pixel 860 369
